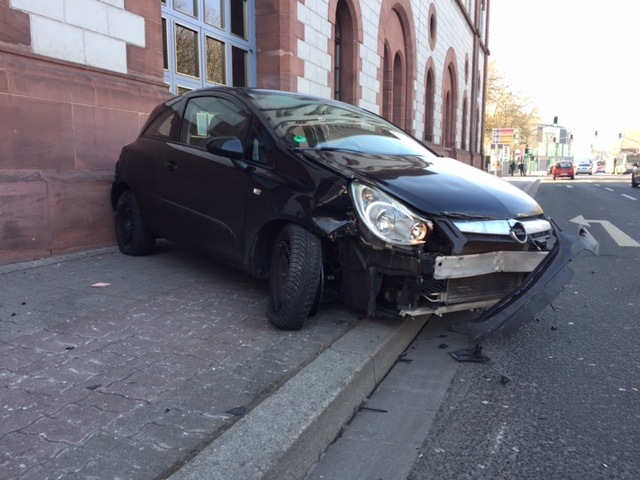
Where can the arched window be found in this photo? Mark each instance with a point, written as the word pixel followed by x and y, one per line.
pixel 429 105
pixel 345 78
pixel 398 67
pixel 450 98
pixel 337 58
pixel 463 135
pixel 387 84
pixel 398 101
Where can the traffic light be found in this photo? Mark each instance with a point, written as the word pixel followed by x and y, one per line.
pixel 620 136
pixel 555 121
pixel 554 139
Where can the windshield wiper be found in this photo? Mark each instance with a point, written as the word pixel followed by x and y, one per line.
pixel 325 149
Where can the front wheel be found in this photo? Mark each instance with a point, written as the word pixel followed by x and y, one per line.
pixel 133 237
pixel 296 273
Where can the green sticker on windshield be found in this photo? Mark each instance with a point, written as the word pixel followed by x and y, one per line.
pixel 300 139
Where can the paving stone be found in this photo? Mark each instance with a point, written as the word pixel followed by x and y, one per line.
pixel 126 381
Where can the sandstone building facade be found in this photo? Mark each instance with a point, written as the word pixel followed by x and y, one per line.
pixel 79 77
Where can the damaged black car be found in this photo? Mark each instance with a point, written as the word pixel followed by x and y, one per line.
pixel 331 202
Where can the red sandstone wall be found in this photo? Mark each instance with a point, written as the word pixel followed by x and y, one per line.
pixel 61 129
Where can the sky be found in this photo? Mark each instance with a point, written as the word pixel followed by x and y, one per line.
pixel 574 59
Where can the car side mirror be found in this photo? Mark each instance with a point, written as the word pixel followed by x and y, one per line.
pixel 226 147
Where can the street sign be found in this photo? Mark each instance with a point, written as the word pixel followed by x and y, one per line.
pixel 505 136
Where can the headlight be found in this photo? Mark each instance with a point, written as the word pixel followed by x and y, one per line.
pixel 386 218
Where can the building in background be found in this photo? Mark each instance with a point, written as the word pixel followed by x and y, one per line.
pixel 79 77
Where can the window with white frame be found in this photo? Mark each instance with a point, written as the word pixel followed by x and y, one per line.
pixel 208 42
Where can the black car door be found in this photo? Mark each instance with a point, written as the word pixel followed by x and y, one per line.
pixel 204 195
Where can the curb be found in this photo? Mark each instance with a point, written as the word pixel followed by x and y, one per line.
pixel 284 436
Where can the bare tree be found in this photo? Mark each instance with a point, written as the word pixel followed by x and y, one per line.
pixel 508 109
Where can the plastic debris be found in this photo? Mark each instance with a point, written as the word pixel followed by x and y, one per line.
pixel 402 359
pixel 504 379
pixel 100 285
pixel 237 411
pixel 371 409
pixel 470 354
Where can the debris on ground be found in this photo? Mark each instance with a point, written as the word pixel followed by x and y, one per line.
pixel 470 354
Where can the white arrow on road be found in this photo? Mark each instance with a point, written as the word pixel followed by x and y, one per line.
pixel 621 238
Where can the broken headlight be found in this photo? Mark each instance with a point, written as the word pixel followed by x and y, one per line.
pixel 388 219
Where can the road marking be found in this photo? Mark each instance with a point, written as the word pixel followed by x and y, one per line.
pixel 629 196
pixel 621 238
pixel 610 189
pixel 569 186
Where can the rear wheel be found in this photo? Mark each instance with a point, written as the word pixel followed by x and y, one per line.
pixel 133 237
pixel 633 182
pixel 296 273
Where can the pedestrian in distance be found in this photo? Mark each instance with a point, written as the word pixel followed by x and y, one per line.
pixel 512 167
pixel 521 168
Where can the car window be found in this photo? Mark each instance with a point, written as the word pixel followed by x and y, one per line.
pixel 163 125
pixel 209 117
pixel 258 152
pixel 305 122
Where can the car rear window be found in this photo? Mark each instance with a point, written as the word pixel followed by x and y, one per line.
pixel 164 126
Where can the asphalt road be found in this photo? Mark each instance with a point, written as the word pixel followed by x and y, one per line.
pixel 570 409
pixel 558 400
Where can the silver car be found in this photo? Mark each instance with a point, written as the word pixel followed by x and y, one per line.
pixel 584 168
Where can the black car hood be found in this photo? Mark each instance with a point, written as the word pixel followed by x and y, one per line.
pixel 439 186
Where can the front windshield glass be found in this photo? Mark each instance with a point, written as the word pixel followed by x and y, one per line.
pixel 312 123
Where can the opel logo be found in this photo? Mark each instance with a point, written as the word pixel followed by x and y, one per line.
pixel 518 233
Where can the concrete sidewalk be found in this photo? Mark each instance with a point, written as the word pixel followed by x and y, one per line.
pixel 165 366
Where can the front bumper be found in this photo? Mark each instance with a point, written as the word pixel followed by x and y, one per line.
pixel 545 273
pixel 540 288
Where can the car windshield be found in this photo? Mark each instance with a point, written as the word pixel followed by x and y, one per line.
pixel 564 164
pixel 311 123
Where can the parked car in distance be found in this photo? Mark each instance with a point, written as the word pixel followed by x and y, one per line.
pixel 584 168
pixel 331 202
pixel 563 169
pixel 635 175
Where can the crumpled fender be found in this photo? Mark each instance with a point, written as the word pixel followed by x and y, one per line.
pixel 540 288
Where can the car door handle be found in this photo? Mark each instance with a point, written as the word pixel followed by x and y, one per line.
pixel 171 166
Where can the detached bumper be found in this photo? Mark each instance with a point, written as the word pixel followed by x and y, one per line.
pixel 541 287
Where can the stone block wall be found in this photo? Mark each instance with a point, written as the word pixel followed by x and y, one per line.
pixel 65 113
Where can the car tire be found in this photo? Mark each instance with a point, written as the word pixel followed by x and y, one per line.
pixel 131 233
pixel 572 177
pixel 294 280
pixel 633 183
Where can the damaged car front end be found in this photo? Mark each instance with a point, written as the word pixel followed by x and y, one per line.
pixel 507 270
pixel 408 253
